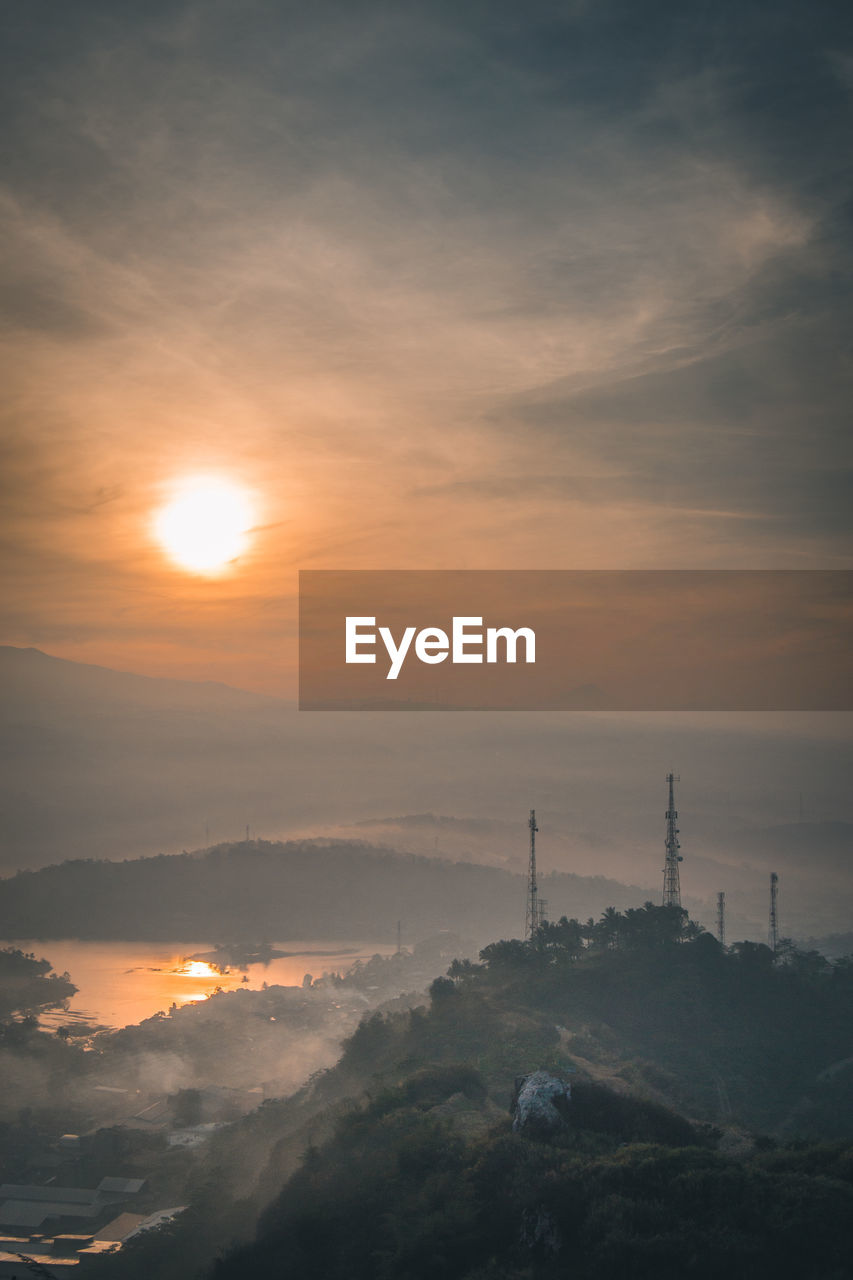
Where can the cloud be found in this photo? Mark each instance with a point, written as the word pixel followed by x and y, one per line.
pixel 445 285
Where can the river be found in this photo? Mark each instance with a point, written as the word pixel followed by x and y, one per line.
pixel 123 982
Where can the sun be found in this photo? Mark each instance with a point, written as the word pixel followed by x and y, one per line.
pixel 205 525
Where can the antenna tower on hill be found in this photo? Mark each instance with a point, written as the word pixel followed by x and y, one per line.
pixel 535 914
pixel 773 929
pixel 671 881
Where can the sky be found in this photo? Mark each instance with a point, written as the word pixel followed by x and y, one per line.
pixel 560 285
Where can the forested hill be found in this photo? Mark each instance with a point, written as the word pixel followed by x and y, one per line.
pixel 259 890
pixel 410 1168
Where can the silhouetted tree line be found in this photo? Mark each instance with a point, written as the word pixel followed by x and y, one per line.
pixel 28 986
pixel 637 929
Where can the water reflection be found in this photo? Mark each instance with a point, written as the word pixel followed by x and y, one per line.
pixel 123 982
pixel 199 969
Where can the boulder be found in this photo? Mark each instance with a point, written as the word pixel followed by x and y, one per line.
pixel 540 1103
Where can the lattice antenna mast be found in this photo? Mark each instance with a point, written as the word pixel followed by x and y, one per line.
pixel 773 930
pixel 671 881
pixel 721 919
pixel 535 913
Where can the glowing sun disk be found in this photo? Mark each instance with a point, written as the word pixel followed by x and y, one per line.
pixel 205 526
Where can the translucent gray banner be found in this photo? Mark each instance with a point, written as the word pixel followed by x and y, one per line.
pixel 598 640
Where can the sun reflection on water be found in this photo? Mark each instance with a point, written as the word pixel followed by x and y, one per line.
pixel 120 984
pixel 197 969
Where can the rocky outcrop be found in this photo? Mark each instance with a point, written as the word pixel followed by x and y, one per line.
pixel 540 1103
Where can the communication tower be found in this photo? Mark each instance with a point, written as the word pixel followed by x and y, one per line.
pixel 721 919
pixel 535 914
pixel 773 930
pixel 671 881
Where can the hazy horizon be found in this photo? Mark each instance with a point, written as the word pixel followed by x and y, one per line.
pixel 112 765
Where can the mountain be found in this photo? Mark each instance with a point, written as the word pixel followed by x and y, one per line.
pixel 106 764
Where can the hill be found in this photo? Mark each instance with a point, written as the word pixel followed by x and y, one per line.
pixel 401 1161
pixel 262 890
pixel 403 1192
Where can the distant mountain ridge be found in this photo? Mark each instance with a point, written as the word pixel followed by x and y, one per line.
pixel 262 890
pixel 49 679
